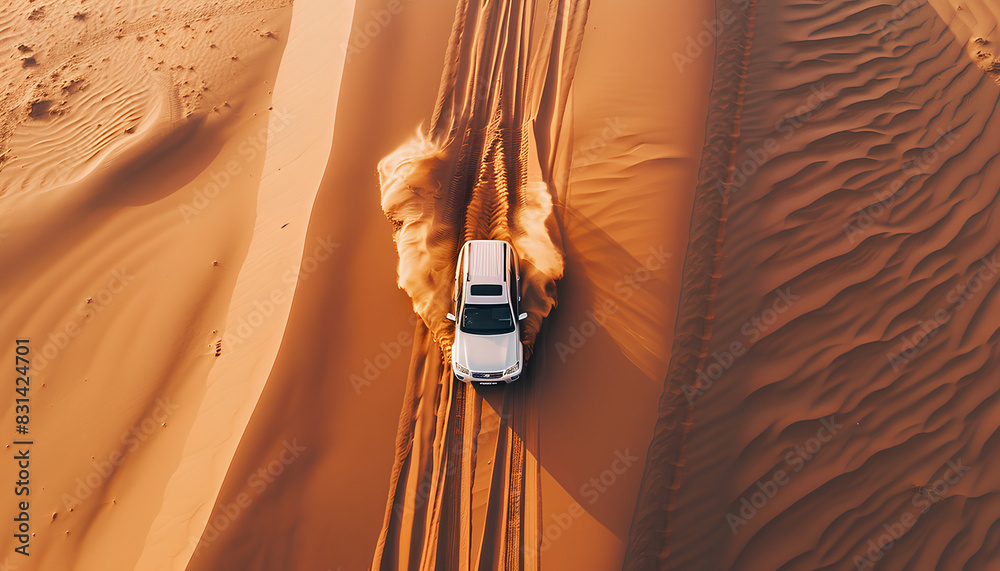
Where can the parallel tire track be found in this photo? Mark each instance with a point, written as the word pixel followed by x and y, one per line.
pixel 648 540
pixel 438 516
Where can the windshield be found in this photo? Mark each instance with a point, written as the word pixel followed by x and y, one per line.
pixel 487 319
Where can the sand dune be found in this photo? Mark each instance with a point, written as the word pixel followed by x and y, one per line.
pixel 126 266
pixel 842 398
pixel 325 383
pixel 760 265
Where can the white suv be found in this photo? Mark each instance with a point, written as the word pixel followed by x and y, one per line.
pixel 487 347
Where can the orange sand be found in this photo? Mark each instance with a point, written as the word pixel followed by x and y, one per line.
pixel 758 243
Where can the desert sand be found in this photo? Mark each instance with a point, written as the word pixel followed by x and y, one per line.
pixel 758 245
pixel 834 408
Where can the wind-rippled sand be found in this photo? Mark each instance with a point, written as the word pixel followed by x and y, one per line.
pixel 760 254
pixel 840 406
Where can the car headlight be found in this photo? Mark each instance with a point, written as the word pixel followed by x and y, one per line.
pixel 512 369
pixel 461 369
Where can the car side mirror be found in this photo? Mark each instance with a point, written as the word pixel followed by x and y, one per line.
pixel 451 317
pixel 522 317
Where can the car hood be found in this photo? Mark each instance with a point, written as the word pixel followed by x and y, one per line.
pixel 487 353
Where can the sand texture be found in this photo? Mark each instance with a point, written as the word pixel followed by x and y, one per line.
pixel 759 251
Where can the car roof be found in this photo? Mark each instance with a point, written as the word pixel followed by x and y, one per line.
pixel 486 263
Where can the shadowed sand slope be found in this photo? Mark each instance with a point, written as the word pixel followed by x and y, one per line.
pixel 636 143
pixel 843 409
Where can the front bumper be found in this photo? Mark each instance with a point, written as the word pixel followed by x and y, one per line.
pixel 485 378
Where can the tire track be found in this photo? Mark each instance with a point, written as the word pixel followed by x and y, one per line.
pixel 649 536
pixel 464 491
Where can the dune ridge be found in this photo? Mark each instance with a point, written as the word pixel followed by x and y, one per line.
pixel 295 153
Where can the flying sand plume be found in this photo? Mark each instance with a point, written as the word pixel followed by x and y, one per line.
pixel 427 239
pixel 467 178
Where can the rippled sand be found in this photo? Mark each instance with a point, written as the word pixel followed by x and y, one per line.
pixel 759 245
